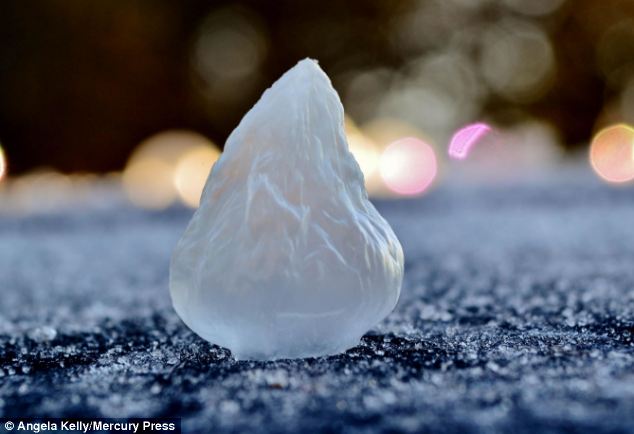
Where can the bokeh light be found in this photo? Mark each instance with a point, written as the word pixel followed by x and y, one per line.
pixel 150 177
pixel 465 138
pixel 191 173
pixel 408 166
pixel 362 148
pixel 615 52
pixel 386 130
pixel 45 190
pixel 42 188
pixel 382 132
pixel 517 61
pixel 148 183
pixel 228 52
pixel 612 153
pixel 230 44
pixel 434 93
pixel 3 163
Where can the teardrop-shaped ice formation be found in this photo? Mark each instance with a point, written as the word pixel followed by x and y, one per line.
pixel 286 257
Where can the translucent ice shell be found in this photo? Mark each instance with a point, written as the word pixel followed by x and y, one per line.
pixel 286 257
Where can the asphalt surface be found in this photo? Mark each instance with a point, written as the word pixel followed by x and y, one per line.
pixel 516 315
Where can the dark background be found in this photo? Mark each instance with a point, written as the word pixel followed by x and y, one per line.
pixel 83 82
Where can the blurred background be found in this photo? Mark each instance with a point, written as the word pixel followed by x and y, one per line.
pixel 142 94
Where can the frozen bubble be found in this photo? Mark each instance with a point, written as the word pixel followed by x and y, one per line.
pixel 286 257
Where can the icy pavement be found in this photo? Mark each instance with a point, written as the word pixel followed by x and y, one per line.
pixel 517 315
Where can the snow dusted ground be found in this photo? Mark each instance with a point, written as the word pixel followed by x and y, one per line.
pixel 517 315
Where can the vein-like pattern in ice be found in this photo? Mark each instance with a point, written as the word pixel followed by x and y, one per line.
pixel 286 257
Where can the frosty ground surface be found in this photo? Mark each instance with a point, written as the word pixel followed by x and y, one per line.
pixel 516 315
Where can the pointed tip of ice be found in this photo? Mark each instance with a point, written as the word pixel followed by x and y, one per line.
pixel 308 63
pixel 305 72
pixel 307 67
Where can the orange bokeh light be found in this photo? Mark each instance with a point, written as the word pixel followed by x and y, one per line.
pixel 612 153
pixel 3 164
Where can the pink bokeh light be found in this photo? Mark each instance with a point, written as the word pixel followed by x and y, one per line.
pixel 465 138
pixel 408 166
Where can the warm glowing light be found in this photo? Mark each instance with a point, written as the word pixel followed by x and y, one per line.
pixel 465 138
pixel 3 164
pixel 612 153
pixel 45 190
pixel 365 153
pixel 41 189
pixel 149 178
pixel 408 166
pixel 148 183
pixel 362 148
pixel 191 172
pixel 385 130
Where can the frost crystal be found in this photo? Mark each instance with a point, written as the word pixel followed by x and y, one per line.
pixel 286 257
